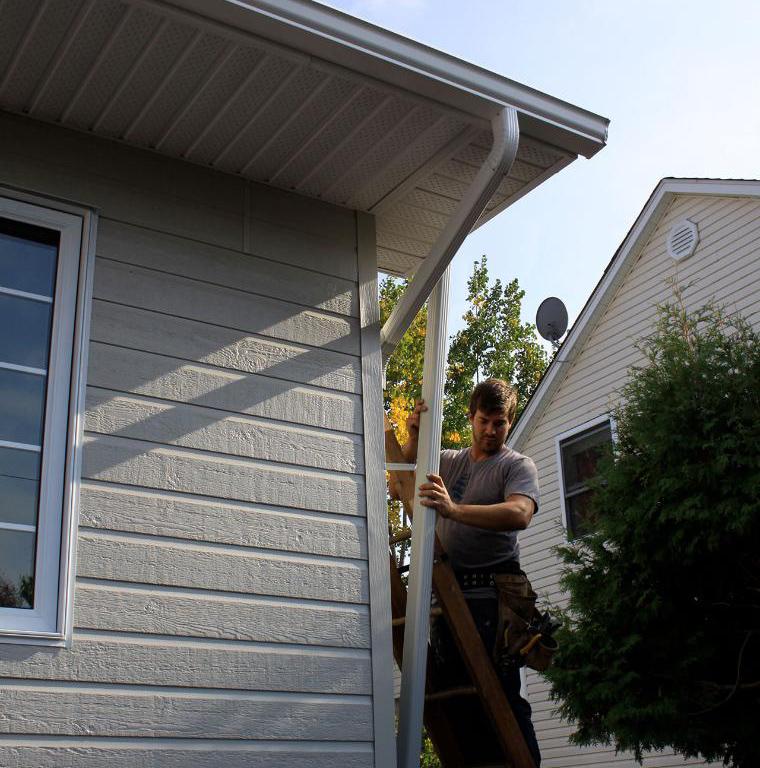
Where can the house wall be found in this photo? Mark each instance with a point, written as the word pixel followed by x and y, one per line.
pixel 222 596
pixel 725 266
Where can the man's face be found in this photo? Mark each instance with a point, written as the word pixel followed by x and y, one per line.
pixel 489 430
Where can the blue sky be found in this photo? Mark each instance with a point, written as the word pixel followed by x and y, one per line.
pixel 679 81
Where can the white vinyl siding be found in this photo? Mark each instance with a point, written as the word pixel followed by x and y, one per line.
pixel 43 249
pixel 223 593
pixel 725 267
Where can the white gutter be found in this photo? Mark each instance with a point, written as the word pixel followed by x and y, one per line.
pixel 506 137
pixel 417 625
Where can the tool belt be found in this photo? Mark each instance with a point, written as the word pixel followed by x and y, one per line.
pixel 523 634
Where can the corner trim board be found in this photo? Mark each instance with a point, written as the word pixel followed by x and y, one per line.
pixel 377 523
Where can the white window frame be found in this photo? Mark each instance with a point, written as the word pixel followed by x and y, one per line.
pixel 49 622
pixel 559 439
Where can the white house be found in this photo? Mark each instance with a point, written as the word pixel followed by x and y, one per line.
pixel 195 199
pixel 705 233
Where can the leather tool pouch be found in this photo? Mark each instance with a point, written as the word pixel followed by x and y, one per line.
pixel 516 642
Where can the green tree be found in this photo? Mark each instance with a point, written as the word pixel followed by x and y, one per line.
pixel 661 645
pixel 492 343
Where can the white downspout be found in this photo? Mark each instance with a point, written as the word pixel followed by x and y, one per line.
pixel 506 137
pixel 432 280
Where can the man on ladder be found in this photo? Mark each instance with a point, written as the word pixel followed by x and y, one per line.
pixel 484 495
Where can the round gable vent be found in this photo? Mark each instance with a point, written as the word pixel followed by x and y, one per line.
pixel 683 239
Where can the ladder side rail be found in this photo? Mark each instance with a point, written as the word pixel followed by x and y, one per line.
pixel 478 663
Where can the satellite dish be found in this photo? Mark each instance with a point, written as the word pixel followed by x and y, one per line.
pixel 551 320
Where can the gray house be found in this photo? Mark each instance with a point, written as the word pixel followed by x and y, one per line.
pixel 196 197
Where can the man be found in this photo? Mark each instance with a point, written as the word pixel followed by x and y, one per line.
pixel 484 495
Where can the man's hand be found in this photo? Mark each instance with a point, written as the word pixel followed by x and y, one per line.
pixel 434 494
pixel 413 420
pixel 409 449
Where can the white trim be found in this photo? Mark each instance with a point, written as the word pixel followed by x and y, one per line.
pixel 20 446
pixel 23 369
pixel 395 467
pixel 624 258
pixel 25 295
pixel 18 527
pixel 559 439
pixel 47 622
pixel 417 625
pixel 377 509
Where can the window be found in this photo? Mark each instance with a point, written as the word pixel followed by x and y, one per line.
pixel 43 279
pixel 579 452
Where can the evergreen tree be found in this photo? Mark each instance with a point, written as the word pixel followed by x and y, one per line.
pixel 661 645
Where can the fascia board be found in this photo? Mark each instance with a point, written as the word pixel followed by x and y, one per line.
pixel 615 273
pixel 325 33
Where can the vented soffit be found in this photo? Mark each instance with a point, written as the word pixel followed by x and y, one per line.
pixel 190 86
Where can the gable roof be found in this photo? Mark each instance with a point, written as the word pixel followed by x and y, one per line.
pixel 292 94
pixel 612 278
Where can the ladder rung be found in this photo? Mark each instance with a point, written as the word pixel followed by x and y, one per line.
pixel 464 690
pixel 393 466
pixel 401 620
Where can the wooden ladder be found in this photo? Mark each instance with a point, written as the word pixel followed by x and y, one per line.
pixel 454 749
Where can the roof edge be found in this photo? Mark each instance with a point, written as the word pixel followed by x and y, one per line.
pixel 327 33
pixel 614 274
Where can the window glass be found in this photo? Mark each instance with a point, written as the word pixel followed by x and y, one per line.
pixel 580 455
pixel 25 337
pixel 22 406
pixel 16 569
pixel 28 257
pixel 19 486
pixel 28 265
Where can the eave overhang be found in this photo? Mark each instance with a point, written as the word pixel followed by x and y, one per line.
pixel 291 94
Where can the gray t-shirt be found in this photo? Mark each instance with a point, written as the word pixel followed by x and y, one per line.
pixel 488 481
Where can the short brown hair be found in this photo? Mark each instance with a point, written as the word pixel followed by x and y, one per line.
pixel 494 395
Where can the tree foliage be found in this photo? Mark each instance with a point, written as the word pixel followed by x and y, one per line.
pixel 661 645
pixel 492 342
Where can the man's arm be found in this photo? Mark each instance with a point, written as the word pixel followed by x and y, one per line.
pixel 409 448
pixel 513 514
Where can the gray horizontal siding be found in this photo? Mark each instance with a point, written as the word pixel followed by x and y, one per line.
pixel 168 378
pixel 188 612
pixel 148 560
pixel 224 348
pixel 132 462
pixel 49 752
pixel 193 426
pixel 198 518
pixel 72 710
pixel 221 603
pixel 226 267
pixel 157 660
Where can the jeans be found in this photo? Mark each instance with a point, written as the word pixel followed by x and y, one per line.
pixel 485 615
